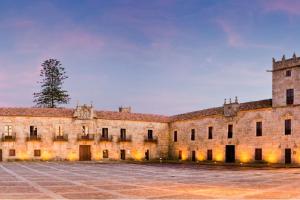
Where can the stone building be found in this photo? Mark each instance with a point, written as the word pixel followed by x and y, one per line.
pixel 258 131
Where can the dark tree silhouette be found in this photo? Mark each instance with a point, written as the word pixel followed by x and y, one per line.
pixel 51 94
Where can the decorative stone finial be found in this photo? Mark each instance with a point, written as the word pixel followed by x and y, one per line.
pixel 230 100
pixel 283 57
pixel 236 99
pixel 294 56
pixel 273 59
pixel 225 101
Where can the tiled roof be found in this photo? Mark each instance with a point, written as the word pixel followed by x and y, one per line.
pixel 110 115
pixel 219 110
pixel 37 112
pixel 65 112
pixel 131 116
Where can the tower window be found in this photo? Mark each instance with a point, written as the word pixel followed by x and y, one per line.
pixel 230 131
pixel 288 127
pixel 258 128
pixel 175 136
pixel 290 96
pixel 288 73
pixel 210 132
pixel 150 134
pixel 193 134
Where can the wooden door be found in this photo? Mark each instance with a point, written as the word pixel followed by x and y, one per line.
pixel 230 153
pixel 85 152
pixel 288 156
pixel 0 154
pixel 194 156
pixel 123 154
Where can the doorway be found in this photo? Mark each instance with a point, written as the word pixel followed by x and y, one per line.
pixel 194 156
pixel 0 155
pixel 85 152
pixel 123 157
pixel 230 153
pixel 147 154
pixel 288 156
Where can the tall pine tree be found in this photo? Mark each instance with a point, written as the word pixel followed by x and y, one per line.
pixel 51 94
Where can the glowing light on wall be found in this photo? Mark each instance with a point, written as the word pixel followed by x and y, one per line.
pixel 46 155
pixel 219 155
pixel 137 154
pixel 272 157
pixel 200 156
pixel 245 157
pixel 23 156
pixel 72 156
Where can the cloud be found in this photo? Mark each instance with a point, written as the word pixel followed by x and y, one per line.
pixel 290 7
pixel 233 38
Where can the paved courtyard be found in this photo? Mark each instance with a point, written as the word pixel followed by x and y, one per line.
pixel 58 180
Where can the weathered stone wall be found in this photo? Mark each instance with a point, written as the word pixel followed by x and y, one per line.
pixel 69 150
pixel 273 140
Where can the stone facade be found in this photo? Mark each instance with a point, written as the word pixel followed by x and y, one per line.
pixel 258 131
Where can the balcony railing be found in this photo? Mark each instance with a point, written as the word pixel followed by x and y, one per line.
pixel 124 139
pixel 8 138
pixel 60 138
pixel 105 139
pixel 151 139
pixel 33 138
pixel 87 137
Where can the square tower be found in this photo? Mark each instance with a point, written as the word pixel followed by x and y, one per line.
pixel 286 82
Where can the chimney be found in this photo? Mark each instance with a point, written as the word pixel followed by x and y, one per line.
pixel 125 109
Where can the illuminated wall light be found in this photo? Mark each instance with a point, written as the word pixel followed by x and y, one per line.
pixel 23 156
pixel 272 157
pixel 46 155
pixel 137 154
pixel 245 157
pixel 72 156
pixel 200 156
pixel 219 155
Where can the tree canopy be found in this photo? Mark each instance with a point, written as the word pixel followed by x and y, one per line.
pixel 52 78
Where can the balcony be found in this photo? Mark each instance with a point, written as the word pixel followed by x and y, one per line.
pixel 106 139
pixel 8 138
pixel 124 139
pixel 33 138
pixel 60 138
pixel 87 137
pixel 151 139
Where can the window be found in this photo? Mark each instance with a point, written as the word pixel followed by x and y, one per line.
pixel 85 130
pixel 180 155
pixel 37 153
pixel 8 130
pixel 193 134
pixel 230 131
pixel 258 154
pixel 209 154
pixel 104 132
pixel 123 134
pixel 105 153
pixel 175 136
pixel 258 128
pixel 210 132
pixel 290 96
pixel 33 131
pixel 288 73
pixel 12 152
pixel 150 134
pixel 59 131
pixel 288 127
pixel 123 154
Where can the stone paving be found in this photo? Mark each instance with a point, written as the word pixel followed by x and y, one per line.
pixel 75 180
